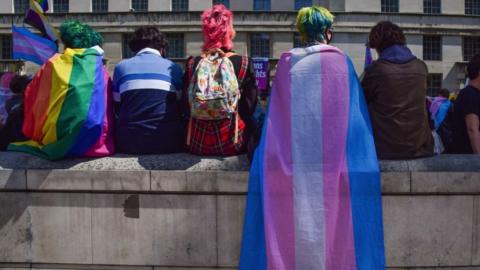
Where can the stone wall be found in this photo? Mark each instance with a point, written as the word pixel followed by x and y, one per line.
pixel 180 211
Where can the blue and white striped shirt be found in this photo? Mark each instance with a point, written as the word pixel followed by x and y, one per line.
pixel 147 70
pixel 147 92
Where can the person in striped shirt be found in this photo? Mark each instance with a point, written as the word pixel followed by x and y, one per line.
pixel 147 92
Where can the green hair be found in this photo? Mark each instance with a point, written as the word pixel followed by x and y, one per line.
pixel 312 22
pixel 77 35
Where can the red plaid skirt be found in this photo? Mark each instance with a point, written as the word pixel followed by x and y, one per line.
pixel 216 138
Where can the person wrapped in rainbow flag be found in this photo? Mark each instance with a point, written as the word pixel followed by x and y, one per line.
pixel 68 111
pixel 314 198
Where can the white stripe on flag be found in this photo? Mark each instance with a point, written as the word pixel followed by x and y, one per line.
pixel 307 148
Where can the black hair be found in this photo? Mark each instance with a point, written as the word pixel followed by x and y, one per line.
pixel 384 35
pixel 147 37
pixel 19 83
pixel 473 67
pixel 444 93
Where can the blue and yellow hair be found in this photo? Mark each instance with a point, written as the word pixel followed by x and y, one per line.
pixel 312 22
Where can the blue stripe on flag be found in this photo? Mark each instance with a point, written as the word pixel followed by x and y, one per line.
pixel 253 251
pixel 93 125
pixel 27 57
pixel 27 34
pixel 364 178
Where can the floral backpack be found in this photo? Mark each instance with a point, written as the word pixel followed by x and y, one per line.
pixel 214 89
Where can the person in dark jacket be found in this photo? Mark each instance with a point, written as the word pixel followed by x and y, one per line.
pixel 466 113
pixel 12 131
pixel 217 137
pixel 395 89
pixel 147 91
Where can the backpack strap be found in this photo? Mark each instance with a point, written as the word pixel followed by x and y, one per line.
pixel 189 132
pixel 241 77
pixel 190 65
pixel 243 70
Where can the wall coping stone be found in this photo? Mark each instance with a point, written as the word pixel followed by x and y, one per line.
pixel 187 162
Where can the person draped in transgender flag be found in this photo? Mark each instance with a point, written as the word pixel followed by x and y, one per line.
pixel 68 111
pixel 314 198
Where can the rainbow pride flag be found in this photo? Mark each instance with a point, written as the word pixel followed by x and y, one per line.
pixel 68 109
pixel 44 5
pixel 314 198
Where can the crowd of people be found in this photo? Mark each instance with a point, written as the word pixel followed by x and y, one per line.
pixel 72 108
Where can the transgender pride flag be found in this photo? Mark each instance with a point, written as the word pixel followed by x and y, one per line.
pixel 314 198
pixel 30 47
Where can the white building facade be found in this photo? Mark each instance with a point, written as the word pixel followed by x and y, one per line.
pixel 444 33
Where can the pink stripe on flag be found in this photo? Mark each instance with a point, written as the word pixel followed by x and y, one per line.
pixel 278 185
pixel 340 248
pixel 42 55
pixel 31 45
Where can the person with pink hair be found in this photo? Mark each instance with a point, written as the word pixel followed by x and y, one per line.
pixel 220 91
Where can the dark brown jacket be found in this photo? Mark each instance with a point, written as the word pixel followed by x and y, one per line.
pixel 395 95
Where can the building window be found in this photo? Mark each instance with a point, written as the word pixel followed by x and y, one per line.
pixel 126 52
pixel 60 6
pixel 297 41
pixel 260 45
pixel 432 48
pixel 261 5
pixel 432 6
pixel 20 6
pixel 176 45
pixel 5 47
pixel 390 6
pixel 100 6
pixel 470 47
pixel 302 3
pixel 472 7
pixel 140 5
pixel 179 5
pixel 226 3
pixel 434 84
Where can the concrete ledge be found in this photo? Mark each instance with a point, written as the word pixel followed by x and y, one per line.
pixel 117 267
pixel 98 267
pixel 183 162
pixel 213 182
pixel 218 182
pixel 187 162
pixel 183 173
pixel 81 180
pixel 182 212
pixel 13 179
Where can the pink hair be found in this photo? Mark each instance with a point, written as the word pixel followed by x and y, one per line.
pixel 217 28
